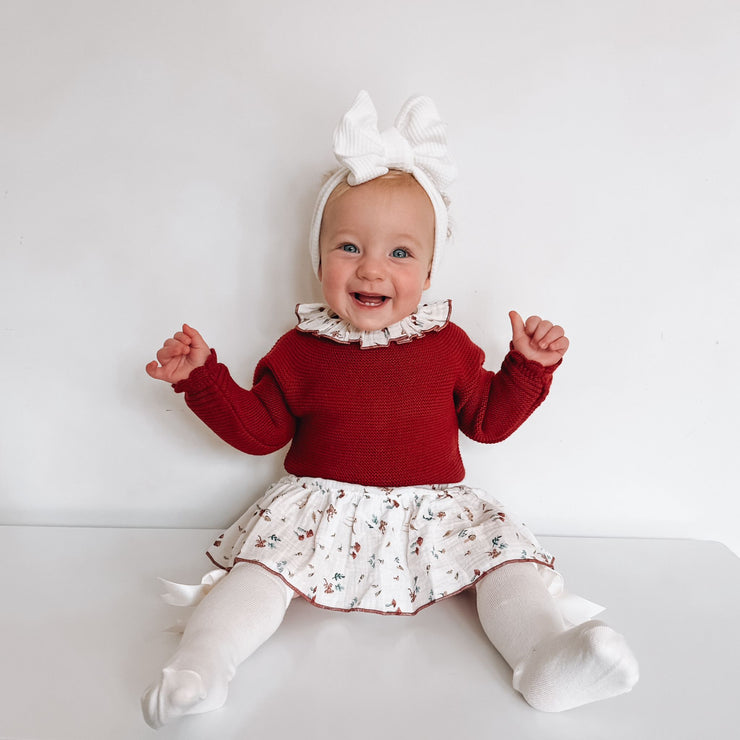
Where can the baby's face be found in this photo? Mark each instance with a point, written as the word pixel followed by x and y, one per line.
pixel 377 243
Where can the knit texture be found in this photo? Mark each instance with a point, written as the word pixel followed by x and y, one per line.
pixel 381 417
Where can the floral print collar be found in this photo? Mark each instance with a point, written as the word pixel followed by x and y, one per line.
pixel 319 319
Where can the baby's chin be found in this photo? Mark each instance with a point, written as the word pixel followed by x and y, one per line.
pixel 369 319
pixel 373 311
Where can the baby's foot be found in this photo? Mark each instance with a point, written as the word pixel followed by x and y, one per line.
pixel 177 693
pixel 582 665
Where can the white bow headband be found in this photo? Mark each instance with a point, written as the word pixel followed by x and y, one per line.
pixel 417 144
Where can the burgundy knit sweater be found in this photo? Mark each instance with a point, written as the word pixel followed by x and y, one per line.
pixel 386 416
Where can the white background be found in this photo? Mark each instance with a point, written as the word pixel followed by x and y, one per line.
pixel 158 164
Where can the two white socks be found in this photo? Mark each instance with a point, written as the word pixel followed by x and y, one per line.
pixel 554 668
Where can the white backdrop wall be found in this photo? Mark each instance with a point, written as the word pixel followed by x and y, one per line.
pixel 158 164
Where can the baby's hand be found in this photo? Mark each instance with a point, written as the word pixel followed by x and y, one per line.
pixel 538 340
pixel 179 356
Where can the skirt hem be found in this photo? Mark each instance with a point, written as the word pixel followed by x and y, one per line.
pixel 385 612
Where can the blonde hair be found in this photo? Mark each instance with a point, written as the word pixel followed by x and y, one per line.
pixel 392 177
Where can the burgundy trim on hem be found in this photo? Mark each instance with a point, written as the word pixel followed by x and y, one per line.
pixel 398 612
pixel 218 565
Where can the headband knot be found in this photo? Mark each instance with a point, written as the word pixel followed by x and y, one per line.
pixel 416 143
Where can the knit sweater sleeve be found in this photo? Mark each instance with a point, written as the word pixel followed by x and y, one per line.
pixel 256 421
pixel 492 406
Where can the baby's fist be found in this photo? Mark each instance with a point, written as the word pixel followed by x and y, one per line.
pixel 179 356
pixel 538 340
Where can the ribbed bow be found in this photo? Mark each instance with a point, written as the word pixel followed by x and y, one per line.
pixel 417 140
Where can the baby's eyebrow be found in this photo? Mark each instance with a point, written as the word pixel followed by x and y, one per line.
pixel 343 233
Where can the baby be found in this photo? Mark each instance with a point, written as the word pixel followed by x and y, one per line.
pixel 371 389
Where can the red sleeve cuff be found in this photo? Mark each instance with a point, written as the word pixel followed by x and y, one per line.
pixel 200 378
pixel 531 368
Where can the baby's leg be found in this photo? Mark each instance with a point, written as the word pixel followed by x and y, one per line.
pixel 554 668
pixel 241 611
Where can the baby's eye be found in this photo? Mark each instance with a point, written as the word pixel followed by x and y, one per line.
pixel 400 253
pixel 351 248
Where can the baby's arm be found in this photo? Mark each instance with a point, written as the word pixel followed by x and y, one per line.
pixel 179 356
pixel 256 421
pixel 491 406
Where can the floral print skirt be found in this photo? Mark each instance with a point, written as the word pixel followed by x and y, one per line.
pixel 384 550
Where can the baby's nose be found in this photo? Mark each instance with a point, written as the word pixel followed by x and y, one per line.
pixel 370 268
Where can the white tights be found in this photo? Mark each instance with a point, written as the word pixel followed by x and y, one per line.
pixel 241 611
pixel 554 668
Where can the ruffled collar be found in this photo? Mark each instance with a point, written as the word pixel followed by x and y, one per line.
pixel 319 319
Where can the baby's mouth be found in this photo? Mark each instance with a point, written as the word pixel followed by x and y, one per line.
pixel 370 300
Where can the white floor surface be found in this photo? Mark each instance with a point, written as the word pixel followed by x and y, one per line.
pixel 82 634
